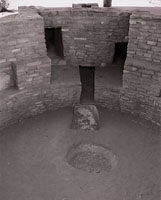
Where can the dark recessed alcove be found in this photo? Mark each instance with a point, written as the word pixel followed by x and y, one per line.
pixel 87 78
pixel 86 5
pixel 112 74
pixel 120 53
pixel 14 76
pixel 119 58
pixel 54 42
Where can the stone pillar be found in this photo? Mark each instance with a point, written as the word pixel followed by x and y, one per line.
pixel 107 3
pixel 85 117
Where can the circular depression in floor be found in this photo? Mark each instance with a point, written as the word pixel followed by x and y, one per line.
pixel 91 158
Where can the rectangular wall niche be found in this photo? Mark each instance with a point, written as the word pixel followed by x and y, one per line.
pixel 120 53
pixel 87 78
pixel 54 43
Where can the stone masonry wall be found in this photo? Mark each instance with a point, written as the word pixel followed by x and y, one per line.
pixel 26 88
pixel 142 71
pixel 22 45
pixel 89 34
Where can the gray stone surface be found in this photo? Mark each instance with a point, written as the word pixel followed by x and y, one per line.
pixel 89 34
pixel 89 37
pixel 85 117
pixel 4 81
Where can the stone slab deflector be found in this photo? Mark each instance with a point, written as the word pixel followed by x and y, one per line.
pixel 85 117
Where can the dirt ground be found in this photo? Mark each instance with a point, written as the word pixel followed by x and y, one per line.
pixel 33 163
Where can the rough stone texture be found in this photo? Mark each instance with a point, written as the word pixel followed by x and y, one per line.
pixel 26 48
pixel 89 35
pixel 91 158
pixel 142 72
pixel 4 81
pixel 85 117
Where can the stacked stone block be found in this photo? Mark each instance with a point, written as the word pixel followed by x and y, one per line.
pixel 142 73
pixel 89 34
pixel 23 45
pixel 89 37
pixel 22 42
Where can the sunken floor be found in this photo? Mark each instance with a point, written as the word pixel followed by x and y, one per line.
pixel 34 164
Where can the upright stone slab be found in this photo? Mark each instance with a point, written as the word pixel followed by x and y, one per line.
pixel 4 81
pixel 85 117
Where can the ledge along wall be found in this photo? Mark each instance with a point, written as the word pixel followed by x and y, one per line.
pixel 89 37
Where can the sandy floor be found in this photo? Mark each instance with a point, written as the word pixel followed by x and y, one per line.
pixel 33 162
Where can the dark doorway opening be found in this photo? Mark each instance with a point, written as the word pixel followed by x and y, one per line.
pixel 87 78
pixel 112 74
pixel 120 53
pixel 54 42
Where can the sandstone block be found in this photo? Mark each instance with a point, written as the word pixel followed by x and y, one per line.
pixel 4 81
pixel 85 117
